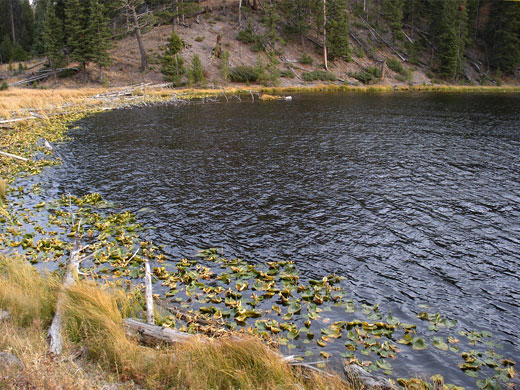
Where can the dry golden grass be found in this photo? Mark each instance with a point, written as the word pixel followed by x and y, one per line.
pixel 93 320
pixel 16 102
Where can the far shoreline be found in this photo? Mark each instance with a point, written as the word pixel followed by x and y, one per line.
pixel 18 104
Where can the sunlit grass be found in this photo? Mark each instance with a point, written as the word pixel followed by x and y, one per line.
pixel 17 102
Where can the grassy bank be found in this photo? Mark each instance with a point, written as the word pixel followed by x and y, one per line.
pixel 21 102
pixel 98 352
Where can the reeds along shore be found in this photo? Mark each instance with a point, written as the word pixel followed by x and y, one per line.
pixel 98 352
pixel 20 102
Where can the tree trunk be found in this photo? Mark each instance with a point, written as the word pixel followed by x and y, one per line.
pixel 239 13
pixel 144 60
pixel 477 21
pixel 325 35
pixel 12 20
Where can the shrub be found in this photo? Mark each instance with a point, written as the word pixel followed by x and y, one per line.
pixel 360 53
pixel 395 65
pixel 367 75
pixel 287 73
pixel 3 86
pixel 321 75
pixel 306 59
pixel 247 35
pixel 243 74
pixel 199 39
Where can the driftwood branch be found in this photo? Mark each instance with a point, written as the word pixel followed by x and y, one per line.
pixel 13 156
pixel 4 121
pixel 54 334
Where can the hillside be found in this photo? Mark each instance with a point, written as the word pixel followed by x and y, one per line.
pixel 280 53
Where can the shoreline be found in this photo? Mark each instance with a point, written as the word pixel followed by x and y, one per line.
pixel 27 103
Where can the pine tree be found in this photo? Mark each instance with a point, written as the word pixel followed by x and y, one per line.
pixel 99 35
pixel 53 38
pixel 75 32
pixel 393 11
pixel 40 9
pixel 337 30
pixel 26 26
pixel 6 50
pixel 504 36
pixel 196 73
pixel 172 63
pixel 449 26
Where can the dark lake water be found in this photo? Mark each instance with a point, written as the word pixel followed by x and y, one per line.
pixel 415 198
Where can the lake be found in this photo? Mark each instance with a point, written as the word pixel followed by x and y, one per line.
pixel 414 198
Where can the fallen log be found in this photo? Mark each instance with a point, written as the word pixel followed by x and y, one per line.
pixel 153 335
pixel 376 34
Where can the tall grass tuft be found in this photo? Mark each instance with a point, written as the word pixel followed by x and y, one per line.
pixel 24 293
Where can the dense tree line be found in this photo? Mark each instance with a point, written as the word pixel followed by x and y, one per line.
pixel 443 32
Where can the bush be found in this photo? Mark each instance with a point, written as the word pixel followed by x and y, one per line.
pixel 306 59
pixel 287 73
pixel 199 39
pixel 247 35
pixel 243 74
pixel 367 75
pixel 395 65
pixel 321 75
pixel 360 53
pixel 3 86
